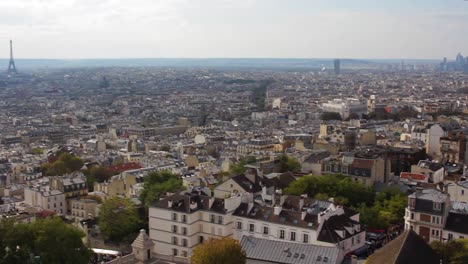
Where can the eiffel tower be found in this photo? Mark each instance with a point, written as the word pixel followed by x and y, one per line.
pixel 11 65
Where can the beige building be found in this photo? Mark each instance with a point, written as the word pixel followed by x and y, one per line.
pixel 84 208
pixel 180 222
pixel 45 198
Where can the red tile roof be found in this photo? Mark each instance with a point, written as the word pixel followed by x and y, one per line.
pixel 124 167
pixel 413 176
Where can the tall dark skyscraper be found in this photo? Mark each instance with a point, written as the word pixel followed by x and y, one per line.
pixel 337 66
pixel 11 64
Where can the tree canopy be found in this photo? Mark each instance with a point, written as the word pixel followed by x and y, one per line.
pixel 66 163
pixel 289 164
pixel 96 174
pixel 219 250
pixel 239 167
pixel 158 183
pixel 52 240
pixel 387 209
pixel 453 251
pixel 340 187
pixel 119 219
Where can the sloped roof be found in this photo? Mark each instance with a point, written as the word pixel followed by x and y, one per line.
pixel 288 253
pixel 406 248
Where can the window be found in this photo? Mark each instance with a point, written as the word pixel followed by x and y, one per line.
pixel 251 227
pixel 239 225
pixel 282 234
pixel 412 203
pixel 352 240
pixel 412 216
pixel 174 217
pixel 174 240
pixel 293 236
pixel 184 242
pixel 462 192
pixel 184 231
pixel 437 206
pixel 174 251
pixel 184 254
pixel 306 238
pixel 220 220
pixel 265 230
pixel 212 218
pixel 184 219
pixel 462 237
pixel 450 236
pixel 174 229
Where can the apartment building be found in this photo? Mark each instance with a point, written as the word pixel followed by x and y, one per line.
pixel 426 213
pixel 84 208
pixel 72 185
pixel 367 170
pixel 300 220
pixel 46 198
pixel 180 222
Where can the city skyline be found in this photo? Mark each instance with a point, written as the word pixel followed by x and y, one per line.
pixel 229 29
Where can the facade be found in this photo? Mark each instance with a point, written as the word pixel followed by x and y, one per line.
pixel 365 170
pixel 458 191
pixel 72 185
pixel 84 208
pixel 45 198
pixel 345 107
pixel 434 133
pixel 300 220
pixel 426 213
pixel 182 221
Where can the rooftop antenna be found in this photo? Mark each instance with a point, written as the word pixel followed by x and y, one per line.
pixel 11 64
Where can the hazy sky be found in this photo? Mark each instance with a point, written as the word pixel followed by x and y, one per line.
pixel 234 28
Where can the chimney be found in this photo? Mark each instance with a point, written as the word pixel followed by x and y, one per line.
pixel 419 191
pixel 282 199
pixel 277 210
pixel 193 205
pixel 303 215
pixel 211 201
pixel 301 202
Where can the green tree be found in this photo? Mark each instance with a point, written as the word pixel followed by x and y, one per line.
pixel 118 219
pixel 66 163
pixel 239 167
pixel 156 184
pixel 219 250
pixel 289 164
pixel 59 242
pixel 453 251
pixel 52 240
pixel 97 174
pixel 37 151
pixel 327 116
pixel 342 188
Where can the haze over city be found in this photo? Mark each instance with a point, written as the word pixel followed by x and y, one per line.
pixel 234 29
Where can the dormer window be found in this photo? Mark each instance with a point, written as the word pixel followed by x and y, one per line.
pixel 437 206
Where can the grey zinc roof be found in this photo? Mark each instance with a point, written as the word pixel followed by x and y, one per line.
pixel 430 195
pixel 290 253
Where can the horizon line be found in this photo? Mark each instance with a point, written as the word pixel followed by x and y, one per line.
pixel 225 58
